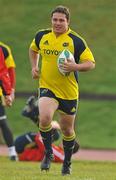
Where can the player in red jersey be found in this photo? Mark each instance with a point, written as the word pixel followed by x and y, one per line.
pixel 7 90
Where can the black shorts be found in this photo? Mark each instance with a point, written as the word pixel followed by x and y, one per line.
pixel 65 106
pixel 2 111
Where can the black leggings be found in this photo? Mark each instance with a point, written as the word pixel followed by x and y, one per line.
pixel 6 132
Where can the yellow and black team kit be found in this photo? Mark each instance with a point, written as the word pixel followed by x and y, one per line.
pixel 64 88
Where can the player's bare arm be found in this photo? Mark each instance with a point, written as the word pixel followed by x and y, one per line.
pixel 34 59
pixel 72 66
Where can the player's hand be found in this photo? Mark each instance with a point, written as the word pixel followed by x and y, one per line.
pixel 8 100
pixel 13 94
pixel 35 73
pixel 69 66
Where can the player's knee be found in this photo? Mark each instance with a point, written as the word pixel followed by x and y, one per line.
pixel 45 120
pixel 67 131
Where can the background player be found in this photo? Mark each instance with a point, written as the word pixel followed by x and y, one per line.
pixel 7 80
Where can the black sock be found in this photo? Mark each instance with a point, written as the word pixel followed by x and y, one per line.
pixel 68 150
pixel 47 139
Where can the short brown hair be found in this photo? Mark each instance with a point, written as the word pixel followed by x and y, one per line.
pixel 63 10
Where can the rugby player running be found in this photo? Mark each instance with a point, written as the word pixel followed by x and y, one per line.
pixel 58 92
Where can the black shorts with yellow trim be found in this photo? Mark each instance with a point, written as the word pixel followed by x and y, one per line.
pixel 65 106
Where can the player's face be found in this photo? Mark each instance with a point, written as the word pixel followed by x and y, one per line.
pixel 59 23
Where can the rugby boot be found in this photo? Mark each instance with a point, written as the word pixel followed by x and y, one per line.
pixel 76 147
pixel 46 162
pixel 66 168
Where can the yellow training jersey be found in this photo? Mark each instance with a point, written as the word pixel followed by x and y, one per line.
pixel 9 61
pixel 49 47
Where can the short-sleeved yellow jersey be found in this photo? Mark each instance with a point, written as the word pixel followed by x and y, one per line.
pixel 9 61
pixel 49 47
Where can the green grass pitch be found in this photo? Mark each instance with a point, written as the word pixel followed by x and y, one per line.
pixel 81 170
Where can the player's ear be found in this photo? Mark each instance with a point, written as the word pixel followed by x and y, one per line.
pixel 68 21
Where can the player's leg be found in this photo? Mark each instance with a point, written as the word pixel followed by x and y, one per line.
pixel 31 110
pixel 67 127
pixel 47 107
pixel 7 133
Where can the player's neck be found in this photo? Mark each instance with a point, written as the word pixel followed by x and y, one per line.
pixel 57 34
